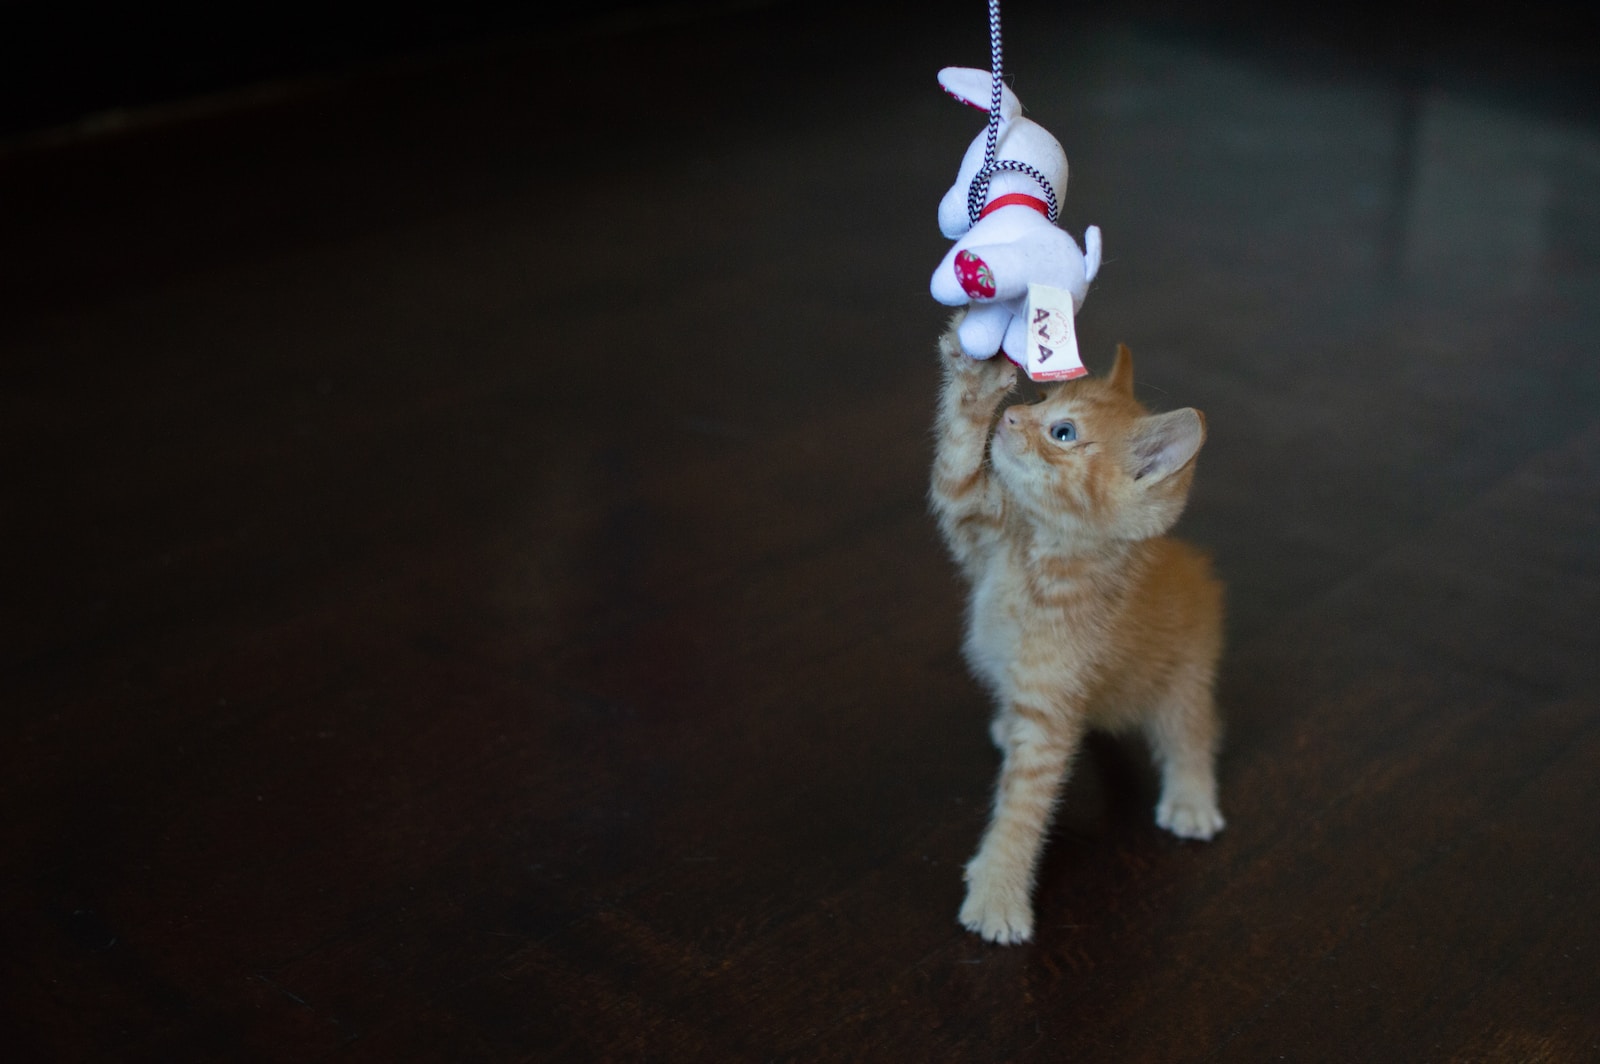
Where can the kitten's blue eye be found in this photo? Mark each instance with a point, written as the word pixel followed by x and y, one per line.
pixel 1063 432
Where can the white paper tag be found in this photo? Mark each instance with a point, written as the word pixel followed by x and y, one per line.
pixel 1052 343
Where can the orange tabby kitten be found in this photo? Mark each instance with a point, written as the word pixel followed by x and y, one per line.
pixel 1082 615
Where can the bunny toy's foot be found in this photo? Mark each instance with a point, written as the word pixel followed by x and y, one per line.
pixel 982 330
pixel 974 276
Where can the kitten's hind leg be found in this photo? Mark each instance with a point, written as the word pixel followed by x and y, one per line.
pixel 1000 876
pixel 1183 732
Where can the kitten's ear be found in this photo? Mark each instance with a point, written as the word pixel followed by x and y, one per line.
pixel 1165 443
pixel 1121 377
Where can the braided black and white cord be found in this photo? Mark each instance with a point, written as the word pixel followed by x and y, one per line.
pixel 978 191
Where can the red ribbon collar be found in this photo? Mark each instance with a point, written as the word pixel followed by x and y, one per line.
pixel 1017 199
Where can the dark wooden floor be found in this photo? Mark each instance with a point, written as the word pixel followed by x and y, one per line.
pixel 468 593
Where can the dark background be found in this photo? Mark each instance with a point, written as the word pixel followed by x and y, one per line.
pixel 468 590
pixel 64 61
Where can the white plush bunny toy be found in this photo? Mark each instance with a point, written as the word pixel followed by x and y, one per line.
pixel 1014 241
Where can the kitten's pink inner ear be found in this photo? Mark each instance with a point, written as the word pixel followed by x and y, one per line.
pixel 1122 371
pixel 1165 443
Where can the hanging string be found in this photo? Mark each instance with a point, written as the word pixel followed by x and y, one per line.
pixel 978 191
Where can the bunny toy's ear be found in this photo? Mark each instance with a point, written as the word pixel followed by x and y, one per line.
pixel 976 87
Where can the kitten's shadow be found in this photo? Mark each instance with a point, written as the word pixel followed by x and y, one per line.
pixel 1113 788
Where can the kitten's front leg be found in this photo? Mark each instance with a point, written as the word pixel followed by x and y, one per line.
pixel 962 494
pixel 1000 877
pixel 973 389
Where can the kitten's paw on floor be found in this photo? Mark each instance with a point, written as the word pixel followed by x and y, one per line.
pixel 1190 818
pixel 998 911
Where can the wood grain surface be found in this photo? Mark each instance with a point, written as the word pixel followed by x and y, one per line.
pixel 469 593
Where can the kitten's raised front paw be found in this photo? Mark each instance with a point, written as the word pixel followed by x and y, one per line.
pixel 1189 817
pixel 998 373
pixel 986 383
pixel 996 370
pixel 997 909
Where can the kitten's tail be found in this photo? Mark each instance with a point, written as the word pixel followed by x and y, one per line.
pixel 1091 252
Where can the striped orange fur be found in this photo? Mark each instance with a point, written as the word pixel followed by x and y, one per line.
pixel 1082 614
